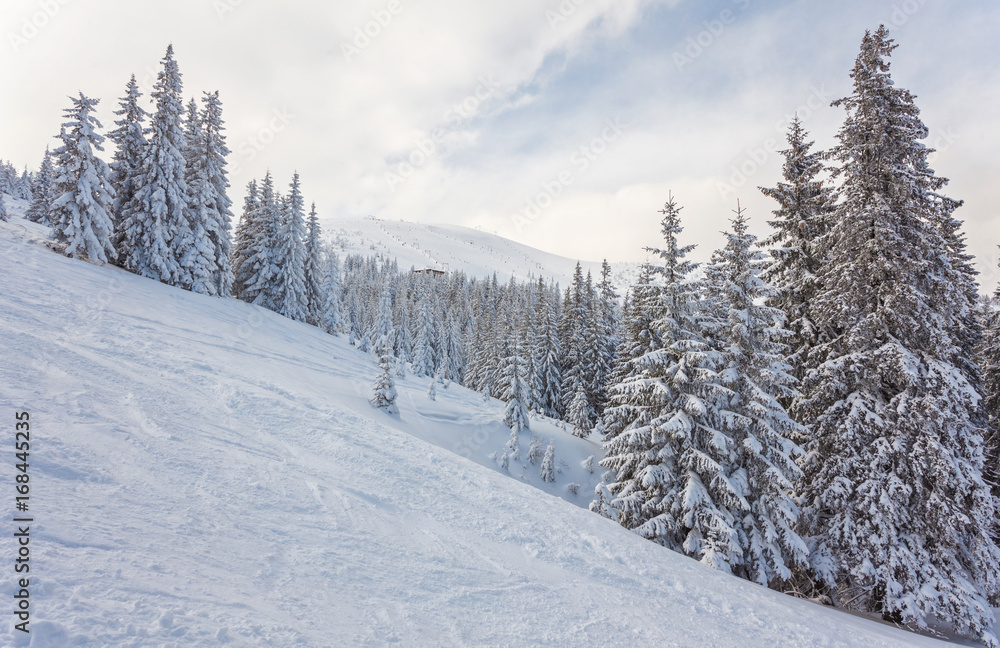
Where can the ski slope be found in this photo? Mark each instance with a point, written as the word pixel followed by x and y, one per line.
pixel 452 247
pixel 207 473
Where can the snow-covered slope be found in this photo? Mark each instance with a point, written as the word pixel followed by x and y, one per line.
pixel 452 247
pixel 207 473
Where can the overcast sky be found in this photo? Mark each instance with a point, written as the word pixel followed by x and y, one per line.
pixel 560 124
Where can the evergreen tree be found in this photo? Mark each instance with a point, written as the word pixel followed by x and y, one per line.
pixel 663 449
pixel 894 502
pixel 130 143
pixel 213 189
pixel 548 468
pixel 244 241
pixel 259 270
pixel 291 256
pixel 514 388
pixel 156 234
pixel 331 317
pixel 989 357
pixel 547 350
pixel 760 464
pixel 81 214
pixel 4 216
pixel 42 193
pixel 384 389
pixel 197 261
pixel 800 224
pixel 423 361
pixel 382 335
pixel 578 414
pixel 314 269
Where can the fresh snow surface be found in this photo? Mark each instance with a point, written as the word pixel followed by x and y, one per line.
pixel 207 473
pixel 453 247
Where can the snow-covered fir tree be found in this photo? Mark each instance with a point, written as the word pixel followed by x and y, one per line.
pixel 989 358
pixel 290 256
pixel 211 195
pixel 130 146
pixel 578 414
pixel 157 235
pixel 331 318
pixel 258 269
pixel 894 501
pixel 4 216
pixel 760 466
pixel 84 198
pixel 243 240
pixel 197 261
pixel 42 195
pixel 546 350
pixel 384 389
pixel 382 333
pixel 663 450
pixel 800 224
pixel 514 387
pixel 548 468
pixel 423 359
pixel 314 271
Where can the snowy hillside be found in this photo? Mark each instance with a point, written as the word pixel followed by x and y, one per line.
pixel 207 473
pixel 452 247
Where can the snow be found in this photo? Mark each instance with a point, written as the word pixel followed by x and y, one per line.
pixel 205 472
pixel 452 247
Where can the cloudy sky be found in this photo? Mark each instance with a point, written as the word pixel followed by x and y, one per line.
pixel 562 124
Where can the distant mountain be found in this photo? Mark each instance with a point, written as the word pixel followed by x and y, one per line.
pixel 453 247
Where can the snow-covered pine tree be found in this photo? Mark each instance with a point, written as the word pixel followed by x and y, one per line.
pixel 546 350
pixel 215 194
pixel 662 447
pixel 314 272
pixel 578 413
pixel 800 223
pixel 989 358
pixel 514 386
pixel 574 342
pixel 893 497
pixel 197 261
pixel 760 464
pixel 259 270
pixel 452 354
pixel 244 240
pixel 548 468
pixel 607 323
pixel 130 144
pixel 432 391
pixel 291 256
pixel 157 235
pixel 382 334
pixel 84 198
pixel 331 318
pixel 423 360
pixel 384 389
pixel 42 193
pixel 4 216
